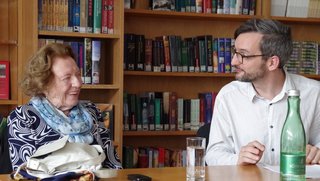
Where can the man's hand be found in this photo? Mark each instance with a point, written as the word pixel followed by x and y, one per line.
pixel 251 153
pixel 312 155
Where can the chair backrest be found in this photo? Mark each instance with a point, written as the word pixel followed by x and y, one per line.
pixel 204 132
pixel 5 166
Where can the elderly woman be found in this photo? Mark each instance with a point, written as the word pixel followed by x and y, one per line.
pixel 53 80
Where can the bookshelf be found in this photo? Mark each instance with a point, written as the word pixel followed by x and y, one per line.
pixel 141 20
pixel 19 41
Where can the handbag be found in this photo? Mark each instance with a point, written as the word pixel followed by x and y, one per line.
pixel 61 156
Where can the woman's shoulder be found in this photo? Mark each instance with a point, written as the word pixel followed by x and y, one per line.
pixel 24 110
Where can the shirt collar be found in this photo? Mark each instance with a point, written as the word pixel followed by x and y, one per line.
pixel 288 84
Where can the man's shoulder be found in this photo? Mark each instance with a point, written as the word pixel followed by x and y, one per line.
pixel 234 87
pixel 304 83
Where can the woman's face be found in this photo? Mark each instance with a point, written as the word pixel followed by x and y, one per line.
pixel 64 88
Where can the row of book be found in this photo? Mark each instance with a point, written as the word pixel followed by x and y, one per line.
pixel 245 7
pixel 88 55
pixel 85 16
pixel 296 8
pixel 4 79
pixel 158 111
pixel 152 157
pixel 171 53
pixel 305 58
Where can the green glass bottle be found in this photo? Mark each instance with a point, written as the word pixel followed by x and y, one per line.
pixel 293 141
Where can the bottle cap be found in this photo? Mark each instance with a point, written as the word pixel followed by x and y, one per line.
pixel 293 92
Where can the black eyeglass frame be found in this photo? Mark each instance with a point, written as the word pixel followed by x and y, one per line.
pixel 234 52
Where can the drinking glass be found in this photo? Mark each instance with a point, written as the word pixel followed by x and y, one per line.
pixel 195 158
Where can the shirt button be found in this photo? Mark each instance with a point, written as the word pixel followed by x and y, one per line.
pixel 271 126
pixel 272 149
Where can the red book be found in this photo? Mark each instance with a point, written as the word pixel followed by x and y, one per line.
pixel 104 16
pixel 110 23
pixel 4 79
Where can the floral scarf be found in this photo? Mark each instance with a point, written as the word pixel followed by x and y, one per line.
pixel 77 124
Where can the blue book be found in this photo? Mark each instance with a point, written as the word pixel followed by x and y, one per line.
pixel 221 56
pixel 76 16
pixel 227 55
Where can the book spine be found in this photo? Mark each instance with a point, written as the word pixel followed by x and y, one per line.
pixel 76 15
pixel 186 114
pixel 90 17
pixel 173 111
pixel 221 57
pixel 166 100
pixel 131 51
pixel 226 6
pixel 65 15
pixel 70 15
pixel 202 55
pixel 110 12
pixel 125 112
pixel 214 6
pixel 88 61
pixel 199 7
pixel 178 52
pixel 209 53
pixel 227 55
pixel 158 114
pixel 195 114
pixel 207 6
pixel 97 16
pixel 238 7
pixel 148 55
pixel 233 6
pixel 132 112
pixel 140 50
pixel 4 79
pixel 104 16
pixel 96 53
pixel 220 6
pixel 184 56
pixel 151 119
pixel 245 7
pixel 167 60
pixel 252 7
pixel 180 114
pixel 83 16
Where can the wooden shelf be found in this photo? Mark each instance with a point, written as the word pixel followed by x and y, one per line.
pixel 100 86
pixel 9 42
pixel 8 102
pixel 178 74
pixel 194 74
pixel 77 34
pixel 297 20
pixel 186 15
pixel 159 133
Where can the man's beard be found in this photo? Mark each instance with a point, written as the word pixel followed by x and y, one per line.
pixel 251 77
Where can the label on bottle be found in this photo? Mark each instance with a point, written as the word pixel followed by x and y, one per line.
pixel 293 163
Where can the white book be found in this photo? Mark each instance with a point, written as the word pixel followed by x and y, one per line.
pixel 96 53
pixel 180 113
pixel 297 8
pixel 238 7
pixel 195 114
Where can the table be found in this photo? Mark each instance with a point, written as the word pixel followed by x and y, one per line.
pixel 220 173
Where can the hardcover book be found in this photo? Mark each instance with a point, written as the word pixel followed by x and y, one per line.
pixel 104 16
pixel 4 79
pixel 166 5
pixel 96 52
pixel 97 6
pixel 87 61
pixel 110 11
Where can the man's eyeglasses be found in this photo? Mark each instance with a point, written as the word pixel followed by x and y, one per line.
pixel 240 56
